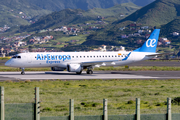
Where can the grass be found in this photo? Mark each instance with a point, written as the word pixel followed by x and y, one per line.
pixel 88 95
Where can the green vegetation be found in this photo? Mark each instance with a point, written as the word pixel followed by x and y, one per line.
pixel 9 13
pixel 157 13
pixel 89 94
pixel 5 58
pixel 117 10
pixel 77 16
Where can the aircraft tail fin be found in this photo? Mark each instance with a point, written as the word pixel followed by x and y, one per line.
pixel 151 44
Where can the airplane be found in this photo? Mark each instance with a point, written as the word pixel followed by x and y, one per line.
pixel 78 61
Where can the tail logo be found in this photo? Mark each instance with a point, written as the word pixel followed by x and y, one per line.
pixel 151 43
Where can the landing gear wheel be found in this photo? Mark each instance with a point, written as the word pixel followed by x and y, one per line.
pixel 89 72
pixel 22 73
pixel 78 73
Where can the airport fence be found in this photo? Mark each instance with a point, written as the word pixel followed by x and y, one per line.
pixel 32 111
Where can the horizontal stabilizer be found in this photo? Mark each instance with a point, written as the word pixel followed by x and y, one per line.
pixel 159 54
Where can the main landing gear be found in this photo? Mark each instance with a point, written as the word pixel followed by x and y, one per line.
pixel 22 72
pixel 89 70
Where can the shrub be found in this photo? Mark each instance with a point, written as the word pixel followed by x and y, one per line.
pixel 130 102
pixel 157 93
pixel 176 101
pixel 66 83
pixel 46 109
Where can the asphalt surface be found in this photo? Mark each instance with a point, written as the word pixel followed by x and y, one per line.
pixel 161 75
pixel 100 74
pixel 157 63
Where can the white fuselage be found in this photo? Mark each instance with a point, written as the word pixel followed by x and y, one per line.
pixel 62 59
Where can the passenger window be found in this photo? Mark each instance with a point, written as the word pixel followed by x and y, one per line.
pixel 91 56
pixel 80 56
pixel 109 56
pixel 112 55
pixel 99 56
pixel 72 56
pixel 18 56
pixel 84 56
pixel 76 56
pixel 105 56
pixel 35 56
pixel 88 56
pixel 94 56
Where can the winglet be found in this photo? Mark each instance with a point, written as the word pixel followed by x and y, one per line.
pixel 151 44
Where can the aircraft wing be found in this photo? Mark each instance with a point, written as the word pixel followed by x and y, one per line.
pixel 100 63
pixel 159 54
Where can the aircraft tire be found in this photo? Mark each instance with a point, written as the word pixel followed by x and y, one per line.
pixel 78 73
pixel 22 73
pixel 89 72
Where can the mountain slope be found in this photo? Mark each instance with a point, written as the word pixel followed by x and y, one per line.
pixel 173 26
pixel 10 9
pixel 57 5
pixel 157 13
pixel 76 16
pixel 57 19
pixel 117 10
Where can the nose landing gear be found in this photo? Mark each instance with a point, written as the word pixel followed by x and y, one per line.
pixel 22 72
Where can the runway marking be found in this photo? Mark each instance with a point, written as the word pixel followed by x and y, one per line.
pixel 70 76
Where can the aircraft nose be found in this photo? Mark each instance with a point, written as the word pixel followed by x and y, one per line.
pixel 8 63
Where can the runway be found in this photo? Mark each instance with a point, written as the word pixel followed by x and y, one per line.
pixel 15 76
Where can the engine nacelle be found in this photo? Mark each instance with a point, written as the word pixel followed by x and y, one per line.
pixel 57 69
pixel 74 68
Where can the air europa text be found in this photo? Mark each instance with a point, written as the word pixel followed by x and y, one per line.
pixel 52 57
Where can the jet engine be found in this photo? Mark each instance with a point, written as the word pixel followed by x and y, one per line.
pixel 57 69
pixel 74 68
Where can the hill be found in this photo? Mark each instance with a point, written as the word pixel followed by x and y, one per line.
pixel 173 26
pixel 76 16
pixel 32 9
pixel 157 13
pixel 123 9
pixel 57 5
pixel 14 12
pixel 57 19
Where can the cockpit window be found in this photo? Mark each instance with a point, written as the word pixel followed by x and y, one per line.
pixel 16 57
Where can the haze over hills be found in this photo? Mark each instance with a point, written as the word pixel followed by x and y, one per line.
pixel 56 5
pixel 117 10
pixel 76 16
pixel 157 13
pixel 33 9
